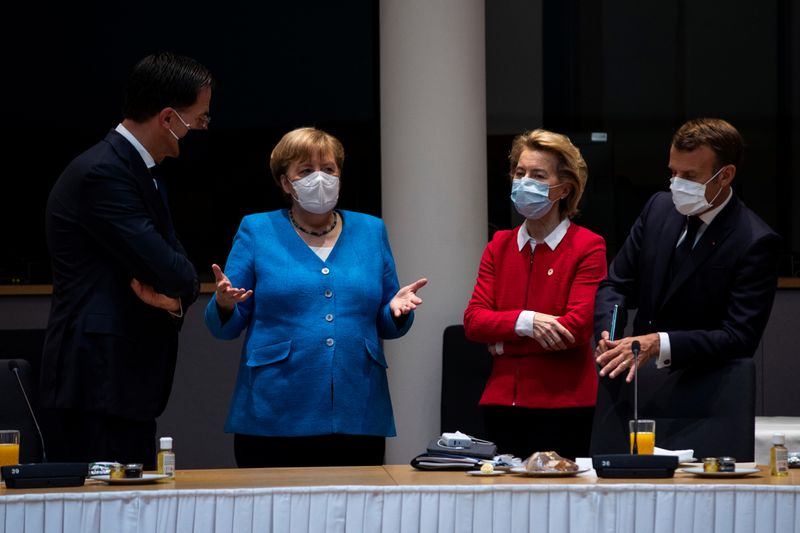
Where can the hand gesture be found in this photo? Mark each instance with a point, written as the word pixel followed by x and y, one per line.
pixel 227 295
pixel 148 295
pixel 616 357
pixel 604 344
pixel 549 333
pixel 406 299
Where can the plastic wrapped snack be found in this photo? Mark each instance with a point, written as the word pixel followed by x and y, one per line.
pixel 549 462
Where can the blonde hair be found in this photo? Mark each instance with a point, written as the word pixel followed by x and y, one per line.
pixel 300 144
pixel 570 168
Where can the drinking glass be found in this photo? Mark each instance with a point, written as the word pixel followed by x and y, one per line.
pixel 9 447
pixel 645 436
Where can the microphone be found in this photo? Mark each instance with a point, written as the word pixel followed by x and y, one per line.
pixel 632 465
pixel 44 474
pixel 14 367
pixel 635 347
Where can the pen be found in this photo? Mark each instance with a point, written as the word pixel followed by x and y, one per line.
pixel 612 333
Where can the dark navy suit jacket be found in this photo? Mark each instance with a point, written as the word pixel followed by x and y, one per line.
pixel 105 350
pixel 714 311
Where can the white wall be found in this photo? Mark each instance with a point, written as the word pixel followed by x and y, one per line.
pixel 433 150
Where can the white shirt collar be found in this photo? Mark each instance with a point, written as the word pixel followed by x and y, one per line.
pixel 148 159
pixel 552 240
pixel 711 214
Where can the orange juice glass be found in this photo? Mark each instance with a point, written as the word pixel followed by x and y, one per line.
pixel 645 436
pixel 9 447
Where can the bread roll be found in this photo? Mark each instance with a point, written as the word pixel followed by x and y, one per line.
pixel 549 462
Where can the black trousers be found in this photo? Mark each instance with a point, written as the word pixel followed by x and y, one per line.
pixel 252 451
pixel 522 431
pixel 72 435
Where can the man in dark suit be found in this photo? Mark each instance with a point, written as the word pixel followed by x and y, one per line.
pixel 699 267
pixel 121 279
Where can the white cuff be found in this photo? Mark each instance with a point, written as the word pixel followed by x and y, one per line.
pixel 524 325
pixel 179 314
pixel 664 352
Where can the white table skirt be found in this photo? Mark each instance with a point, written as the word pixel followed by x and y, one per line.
pixel 617 508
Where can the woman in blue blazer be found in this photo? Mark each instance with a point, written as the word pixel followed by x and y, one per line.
pixel 318 291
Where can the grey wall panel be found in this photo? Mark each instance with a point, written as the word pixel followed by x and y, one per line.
pixel 780 365
pixel 204 381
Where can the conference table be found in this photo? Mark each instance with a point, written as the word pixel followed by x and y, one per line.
pixel 397 498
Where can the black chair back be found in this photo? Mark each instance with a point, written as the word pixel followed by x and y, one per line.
pixel 466 366
pixel 710 409
pixel 25 344
pixel 14 413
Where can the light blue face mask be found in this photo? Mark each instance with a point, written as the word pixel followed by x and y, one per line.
pixel 531 198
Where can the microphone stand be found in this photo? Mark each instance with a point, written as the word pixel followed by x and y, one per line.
pixel 14 368
pixel 44 474
pixel 635 347
pixel 632 465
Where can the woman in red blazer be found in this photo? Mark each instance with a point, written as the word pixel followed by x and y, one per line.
pixel 533 304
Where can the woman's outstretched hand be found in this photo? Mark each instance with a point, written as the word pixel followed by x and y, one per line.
pixel 227 295
pixel 406 299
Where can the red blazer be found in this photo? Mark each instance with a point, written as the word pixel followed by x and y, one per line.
pixel 560 282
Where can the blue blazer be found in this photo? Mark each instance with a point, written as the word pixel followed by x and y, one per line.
pixel 312 362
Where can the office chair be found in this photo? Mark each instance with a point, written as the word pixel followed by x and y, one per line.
pixel 710 409
pixel 466 366
pixel 25 344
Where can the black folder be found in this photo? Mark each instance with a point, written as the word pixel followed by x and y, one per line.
pixel 480 450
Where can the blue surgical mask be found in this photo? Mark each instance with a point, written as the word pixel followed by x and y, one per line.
pixel 531 198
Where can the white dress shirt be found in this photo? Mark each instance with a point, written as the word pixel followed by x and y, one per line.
pixel 148 159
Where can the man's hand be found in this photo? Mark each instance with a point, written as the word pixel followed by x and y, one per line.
pixel 615 357
pixel 148 295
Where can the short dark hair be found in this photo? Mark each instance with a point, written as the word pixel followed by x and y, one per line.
pixel 163 80
pixel 717 134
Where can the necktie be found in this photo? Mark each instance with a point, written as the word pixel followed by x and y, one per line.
pixel 683 251
pixel 162 192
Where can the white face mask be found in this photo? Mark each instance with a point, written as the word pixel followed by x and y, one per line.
pixel 689 197
pixel 317 193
